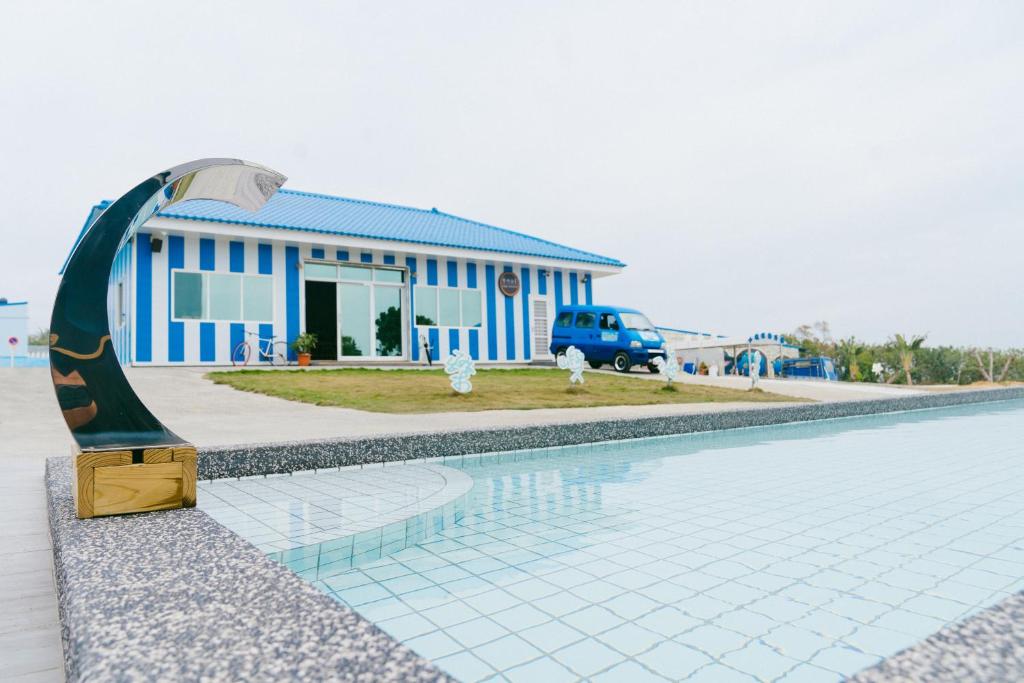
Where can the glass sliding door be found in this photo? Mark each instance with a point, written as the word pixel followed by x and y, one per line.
pixel 354 320
pixel 388 320
pixel 367 311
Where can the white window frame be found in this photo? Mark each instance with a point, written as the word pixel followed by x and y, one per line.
pixel 206 297
pixel 460 290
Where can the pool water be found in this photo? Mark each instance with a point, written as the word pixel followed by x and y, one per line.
pixel 799 552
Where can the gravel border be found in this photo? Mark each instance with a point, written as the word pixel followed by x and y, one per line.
pixel 296 456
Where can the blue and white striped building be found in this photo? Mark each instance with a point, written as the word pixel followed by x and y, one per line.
pixel 373 281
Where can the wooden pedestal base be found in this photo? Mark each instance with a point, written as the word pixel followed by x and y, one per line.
pixel 109 483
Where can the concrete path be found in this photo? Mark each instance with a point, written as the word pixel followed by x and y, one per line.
pixel 31 429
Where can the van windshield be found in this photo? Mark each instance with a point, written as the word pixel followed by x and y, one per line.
pixel 636 321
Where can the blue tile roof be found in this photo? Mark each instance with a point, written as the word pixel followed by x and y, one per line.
pixel 293 210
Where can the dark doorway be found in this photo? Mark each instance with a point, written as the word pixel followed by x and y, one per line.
pixel 322 318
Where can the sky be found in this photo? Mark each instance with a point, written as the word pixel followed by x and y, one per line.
pixel 756 165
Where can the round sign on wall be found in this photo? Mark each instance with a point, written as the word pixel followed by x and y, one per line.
pixel 508 283
pixel 13 341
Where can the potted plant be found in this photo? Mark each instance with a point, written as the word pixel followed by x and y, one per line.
pixel 303 346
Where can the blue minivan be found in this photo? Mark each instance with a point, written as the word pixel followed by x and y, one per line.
pixel 623 337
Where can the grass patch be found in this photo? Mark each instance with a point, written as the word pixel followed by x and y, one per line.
pixel 428 391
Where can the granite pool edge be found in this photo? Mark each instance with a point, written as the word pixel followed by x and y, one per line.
pixel 988 646
pixel 295 456
pixel 175 595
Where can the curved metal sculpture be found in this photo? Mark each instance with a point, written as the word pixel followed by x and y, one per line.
pixel 100 407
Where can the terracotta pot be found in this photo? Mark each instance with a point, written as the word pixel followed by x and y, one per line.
pixel 304 359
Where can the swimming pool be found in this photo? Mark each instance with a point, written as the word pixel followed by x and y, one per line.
pixel 798 552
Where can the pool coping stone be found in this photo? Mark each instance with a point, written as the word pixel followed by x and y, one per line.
pixel 296 456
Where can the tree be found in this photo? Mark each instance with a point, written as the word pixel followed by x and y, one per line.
pixel 847 351
pixel 906 348
pixel 989 374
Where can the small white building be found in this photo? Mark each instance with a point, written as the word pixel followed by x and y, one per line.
pixel 375 282
pixel 13 325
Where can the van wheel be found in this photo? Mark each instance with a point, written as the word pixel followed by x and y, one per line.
pixel 559 352
pixel 596 364
pixel 653 368
pixel 621 363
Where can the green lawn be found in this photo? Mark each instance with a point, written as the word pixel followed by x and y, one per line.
pixel 428 391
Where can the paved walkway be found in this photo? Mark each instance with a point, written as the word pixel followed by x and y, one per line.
pixel 31 429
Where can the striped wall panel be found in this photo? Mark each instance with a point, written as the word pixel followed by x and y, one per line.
pixel 152 336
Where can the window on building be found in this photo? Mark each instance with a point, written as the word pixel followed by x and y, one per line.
pixel 426 305
pixel 448 307
pixel 223 296
pixel 472 308
pixel 585 320
pixel 564 319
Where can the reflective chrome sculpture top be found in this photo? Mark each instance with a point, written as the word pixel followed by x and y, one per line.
pixel 100 407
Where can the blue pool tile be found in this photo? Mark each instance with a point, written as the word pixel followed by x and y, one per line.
pixel 857 609
pixel 450 614
pixel 827 624
pixel 593 620
pixel 596 591
pixel 434 645
pixel 507 652
pixel 551 636
pixel 471 585
pixel 349 579
pixel 532 589
pixel 876 640
pixel 698 581
pixel 387 608
pixel 883 593
pixel 543 669
pixel 560 604
pixel 630 639
pixel 673 660
pixel 587 657
pixel 960 592
pixel 631 605
pixel 445 574
pixel 808 673
pixel 735 593
pixel 667 621
pixel 713 640
pixel 766 582
pixel 982 579
pixel 476 631
pixel 933 606
pixel 520 617
pixel 466 667
pixel 842 659
pixel 491 601
pixel 703 607
pixel 425 598
pixel 407 626
pixel 746 622
pixel 779 608
pixel 360 595
pixel 719 673
pixel 628 672
pixel 795 642
pixel 760 660
pixel 406 584
pixel 909 623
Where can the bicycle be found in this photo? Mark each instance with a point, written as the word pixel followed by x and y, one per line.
pixel 269 350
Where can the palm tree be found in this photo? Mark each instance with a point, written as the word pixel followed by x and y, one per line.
pixel 906 348
pixel 849 349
